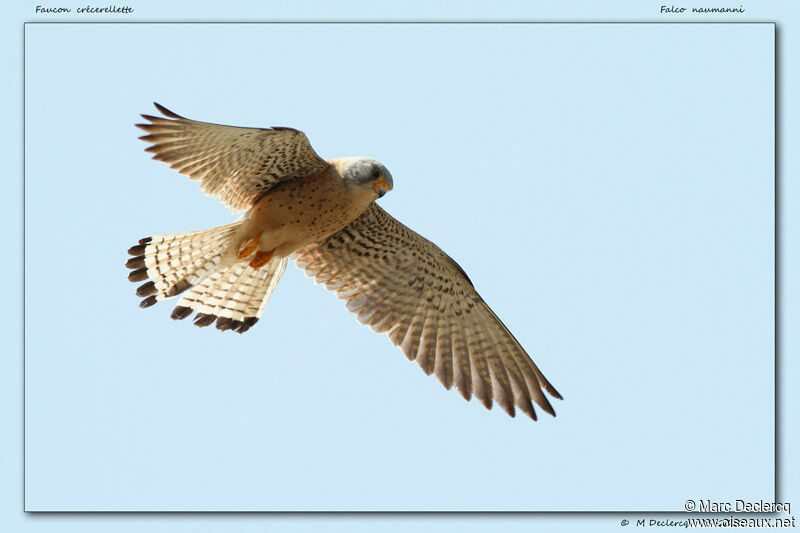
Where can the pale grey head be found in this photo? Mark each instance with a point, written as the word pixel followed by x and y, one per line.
pixel 363 171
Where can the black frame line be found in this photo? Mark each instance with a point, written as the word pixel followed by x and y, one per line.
pixel 777 299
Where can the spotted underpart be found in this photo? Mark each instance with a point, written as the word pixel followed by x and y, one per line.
pixel 323 214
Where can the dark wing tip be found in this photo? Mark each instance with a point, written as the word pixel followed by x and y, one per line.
pixel 166 112
pixel 546 407
pixel 486 400
pixel 553 392
pixel 506 404
pixel 465 392
pixel 528 409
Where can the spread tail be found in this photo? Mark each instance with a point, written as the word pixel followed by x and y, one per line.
pixel 232 295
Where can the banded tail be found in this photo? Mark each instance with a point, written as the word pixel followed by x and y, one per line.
pixel 232 295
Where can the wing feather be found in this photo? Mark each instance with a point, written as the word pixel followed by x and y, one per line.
pixel 444 355
pixel 236 165
pixel 398 282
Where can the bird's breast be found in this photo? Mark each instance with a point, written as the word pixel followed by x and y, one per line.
pixel 304 211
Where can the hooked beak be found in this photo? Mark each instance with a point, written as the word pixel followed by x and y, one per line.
pixel 381 187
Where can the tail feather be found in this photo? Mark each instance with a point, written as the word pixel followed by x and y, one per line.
pixel 172 263
pixel 190 264
pixel 234 297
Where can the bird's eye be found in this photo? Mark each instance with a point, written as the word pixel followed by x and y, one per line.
pixel 376 173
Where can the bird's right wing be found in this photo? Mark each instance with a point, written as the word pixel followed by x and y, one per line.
pixel 236 165
pixel 400 283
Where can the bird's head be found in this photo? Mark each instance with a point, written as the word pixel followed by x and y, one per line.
pixel 367 173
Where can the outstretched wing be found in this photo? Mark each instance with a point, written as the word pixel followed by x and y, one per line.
pixel 400 283
pixel 236 165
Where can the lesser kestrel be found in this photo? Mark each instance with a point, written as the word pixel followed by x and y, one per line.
pixel 323 215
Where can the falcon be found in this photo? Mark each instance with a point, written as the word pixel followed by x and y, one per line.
pixel 323 215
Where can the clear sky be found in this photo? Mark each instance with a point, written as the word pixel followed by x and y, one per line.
pixel 608 188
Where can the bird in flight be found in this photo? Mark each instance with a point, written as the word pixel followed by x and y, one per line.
pixel 323 215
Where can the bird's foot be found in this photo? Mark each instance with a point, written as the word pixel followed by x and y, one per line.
pixel 249 248
pixel 262 258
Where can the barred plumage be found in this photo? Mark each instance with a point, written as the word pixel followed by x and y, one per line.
pixel 173 262
pixel 398 282
pixel 236 165
pixel 237 295
pixel 323 214
pixel 189 264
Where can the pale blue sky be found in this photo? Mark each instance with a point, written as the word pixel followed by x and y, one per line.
pixel 633 174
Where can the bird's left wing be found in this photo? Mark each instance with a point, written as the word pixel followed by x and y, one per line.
pixel 400 283
pixel 236 165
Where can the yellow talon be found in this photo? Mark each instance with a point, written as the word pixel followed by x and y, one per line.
pixel 249 248
pixel 262 258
